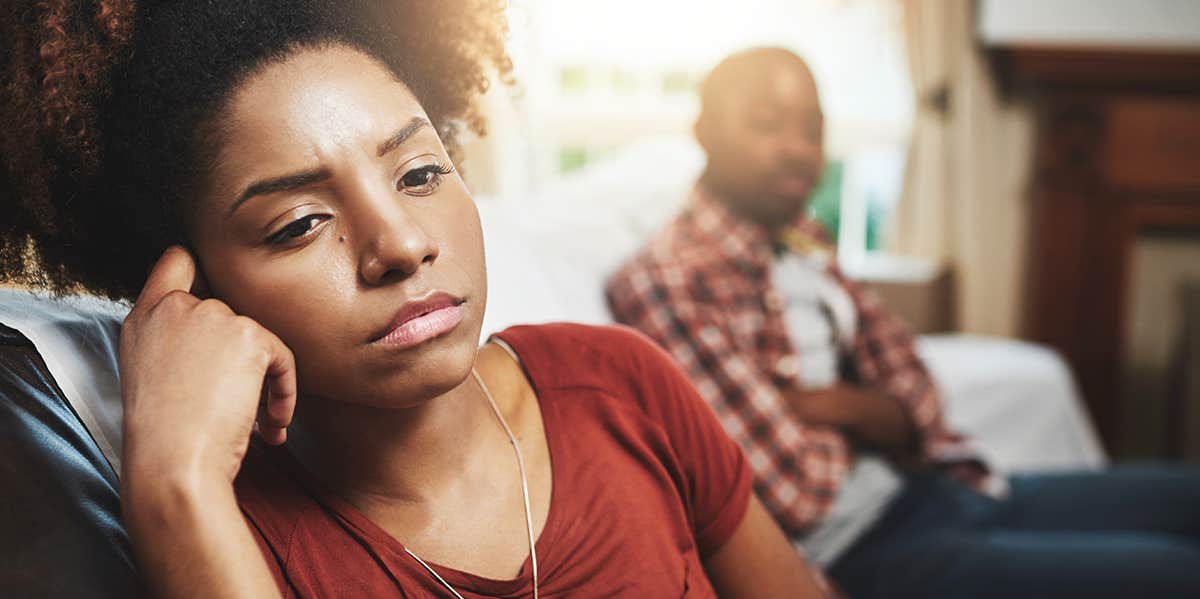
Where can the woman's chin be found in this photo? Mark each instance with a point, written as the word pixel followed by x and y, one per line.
pixel 403 381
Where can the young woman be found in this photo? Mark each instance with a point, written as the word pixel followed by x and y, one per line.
pixel 283 172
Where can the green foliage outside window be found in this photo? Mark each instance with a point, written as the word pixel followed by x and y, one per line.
pixel 825 206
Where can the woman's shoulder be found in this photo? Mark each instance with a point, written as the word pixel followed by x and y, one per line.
pixel 644 401
pixel 564 335
pixel 617 360
pixel 599 351
pixel 269 494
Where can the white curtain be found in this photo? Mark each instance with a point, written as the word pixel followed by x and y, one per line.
pixel 964 201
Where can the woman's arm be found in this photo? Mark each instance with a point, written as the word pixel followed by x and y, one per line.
pixel 745 552
pixel 193 375
pixel 757 561
pixel 190 539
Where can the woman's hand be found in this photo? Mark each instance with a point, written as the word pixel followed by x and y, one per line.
pixel 195 377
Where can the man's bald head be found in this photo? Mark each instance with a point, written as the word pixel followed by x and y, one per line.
pixel 763 130
pixel 746 71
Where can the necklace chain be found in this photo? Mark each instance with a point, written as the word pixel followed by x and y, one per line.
pixel 524 495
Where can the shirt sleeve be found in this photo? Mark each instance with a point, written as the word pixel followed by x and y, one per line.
pixel 884 357
pixel 797 468
pixel 717 480
pixel 269 515
pixel 273 560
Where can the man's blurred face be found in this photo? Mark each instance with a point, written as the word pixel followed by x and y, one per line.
pixel 765 144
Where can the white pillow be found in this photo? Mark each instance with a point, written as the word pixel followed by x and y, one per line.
pixel 518 288
pixel 550 254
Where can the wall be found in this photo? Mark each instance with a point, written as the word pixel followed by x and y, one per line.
pixel 1138 23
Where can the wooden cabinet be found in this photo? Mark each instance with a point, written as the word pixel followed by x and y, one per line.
pixel 1118 154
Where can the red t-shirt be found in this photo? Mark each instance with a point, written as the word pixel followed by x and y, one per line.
pixel 645 486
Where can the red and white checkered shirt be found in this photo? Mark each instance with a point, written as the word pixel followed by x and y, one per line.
pixel 702 289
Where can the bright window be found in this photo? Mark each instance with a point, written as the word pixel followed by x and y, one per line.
pixel 600 79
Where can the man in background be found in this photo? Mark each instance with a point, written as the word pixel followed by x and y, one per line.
pixel 822 387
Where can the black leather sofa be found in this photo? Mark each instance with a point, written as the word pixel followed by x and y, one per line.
pixel 60 525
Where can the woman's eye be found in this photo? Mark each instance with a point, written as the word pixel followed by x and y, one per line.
pixel 423 180
pixel 295 229
pixel 418 177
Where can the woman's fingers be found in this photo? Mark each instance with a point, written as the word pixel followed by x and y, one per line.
pixel 174 271
pixel 205 359
pixel 281 391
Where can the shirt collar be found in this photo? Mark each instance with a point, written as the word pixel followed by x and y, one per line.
pixel 739 239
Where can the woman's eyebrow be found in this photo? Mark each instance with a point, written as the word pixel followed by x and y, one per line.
pixel 278 184
pixel 399 137
pixel 299 180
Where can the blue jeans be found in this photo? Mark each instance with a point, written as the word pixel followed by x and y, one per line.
pixel 1121 533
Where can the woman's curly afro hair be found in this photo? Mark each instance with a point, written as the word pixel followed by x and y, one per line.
pixel 108 106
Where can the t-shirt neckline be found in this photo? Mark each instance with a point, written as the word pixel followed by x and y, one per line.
pixel 459 579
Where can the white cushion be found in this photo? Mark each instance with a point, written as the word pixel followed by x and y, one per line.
pixel 549 255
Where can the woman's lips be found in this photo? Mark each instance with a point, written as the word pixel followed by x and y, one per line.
pixel 420 320
pixel 420 329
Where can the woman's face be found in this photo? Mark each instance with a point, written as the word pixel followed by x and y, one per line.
pixel 335 219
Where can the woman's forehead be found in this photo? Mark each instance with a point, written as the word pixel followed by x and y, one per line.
pixel 312 106
pixel 334 94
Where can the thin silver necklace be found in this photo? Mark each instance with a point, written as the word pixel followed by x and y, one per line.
pixel 524 496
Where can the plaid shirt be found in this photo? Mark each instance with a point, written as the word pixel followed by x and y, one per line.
pixel 702 289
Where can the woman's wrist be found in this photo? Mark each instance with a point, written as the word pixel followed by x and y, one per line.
pixel 155 494
pixel 189 533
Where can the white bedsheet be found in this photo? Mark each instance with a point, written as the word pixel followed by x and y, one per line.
pixel 1016 399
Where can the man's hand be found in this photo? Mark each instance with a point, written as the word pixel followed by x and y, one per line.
pixel 870 417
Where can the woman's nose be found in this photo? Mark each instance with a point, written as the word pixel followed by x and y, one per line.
pixel 393 244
